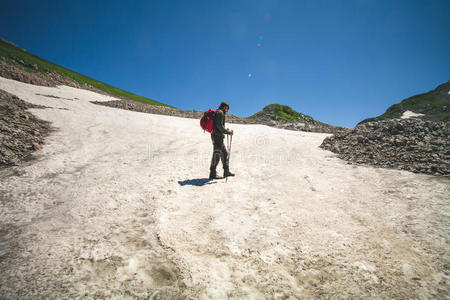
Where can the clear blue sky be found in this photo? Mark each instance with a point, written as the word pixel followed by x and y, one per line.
pixel 339 61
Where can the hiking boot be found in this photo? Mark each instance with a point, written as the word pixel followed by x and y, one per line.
pixel 227 173
pixel 214 176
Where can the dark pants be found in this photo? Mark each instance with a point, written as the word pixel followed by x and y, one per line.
pixel 220 153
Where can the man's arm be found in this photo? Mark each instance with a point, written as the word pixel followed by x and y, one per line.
pixel 218 120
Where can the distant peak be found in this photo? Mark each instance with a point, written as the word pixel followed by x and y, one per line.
pixel 283 112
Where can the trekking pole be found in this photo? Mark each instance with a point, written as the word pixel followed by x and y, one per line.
pixel 228 159
pixel 229 152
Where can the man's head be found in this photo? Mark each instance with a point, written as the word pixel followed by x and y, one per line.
pixel 224 106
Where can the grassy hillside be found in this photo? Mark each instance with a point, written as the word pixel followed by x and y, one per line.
pixel 283 112
pixel 282 116
pixel 435 105
pixel 16 56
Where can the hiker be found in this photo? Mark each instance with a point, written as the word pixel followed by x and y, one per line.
pixel 217 137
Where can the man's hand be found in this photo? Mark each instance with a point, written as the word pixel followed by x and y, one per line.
pixel 231 132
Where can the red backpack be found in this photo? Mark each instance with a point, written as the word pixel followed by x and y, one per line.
pixel 207 121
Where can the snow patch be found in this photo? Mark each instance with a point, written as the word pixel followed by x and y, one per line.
pixel 104 208
pixel 409 114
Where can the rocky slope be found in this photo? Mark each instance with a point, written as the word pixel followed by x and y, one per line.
pixel 28 73
pixel 412 144
pixel 21 132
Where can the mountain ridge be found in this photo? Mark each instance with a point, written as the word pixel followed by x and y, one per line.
pixel 15 59
pixel 434 105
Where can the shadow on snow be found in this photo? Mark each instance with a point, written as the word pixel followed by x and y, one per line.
pixel 196 182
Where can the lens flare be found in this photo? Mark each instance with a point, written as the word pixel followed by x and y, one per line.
pixel 250 75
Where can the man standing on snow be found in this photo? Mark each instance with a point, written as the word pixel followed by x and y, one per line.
pixel 220 151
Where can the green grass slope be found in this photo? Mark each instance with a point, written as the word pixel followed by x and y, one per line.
pixel 283 112
pixel 12 54
pixel 282 116
pixel 435 105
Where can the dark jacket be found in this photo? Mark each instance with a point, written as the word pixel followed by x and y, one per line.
pixel 219 124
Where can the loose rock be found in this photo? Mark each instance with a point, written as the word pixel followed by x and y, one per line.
pixel 412 144
pixel 21 133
